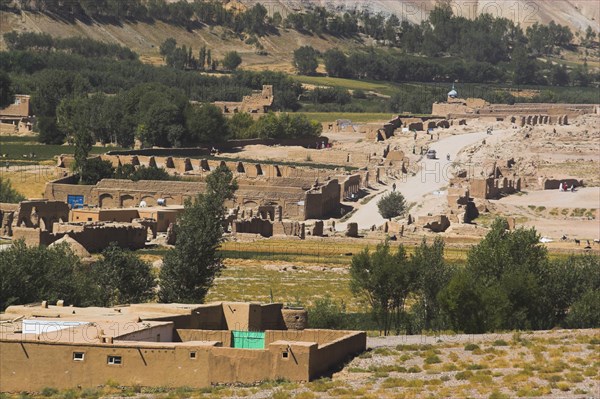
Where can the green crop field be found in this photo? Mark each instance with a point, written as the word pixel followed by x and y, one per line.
pixel 20 148
pixel 353 116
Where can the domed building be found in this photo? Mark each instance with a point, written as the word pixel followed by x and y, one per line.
pixel 452 93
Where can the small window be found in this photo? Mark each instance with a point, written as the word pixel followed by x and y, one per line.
pixel 78 356
pixel 157 337
pixel 89 219
pixel 285 355
pixel 115 360
pixel 192 355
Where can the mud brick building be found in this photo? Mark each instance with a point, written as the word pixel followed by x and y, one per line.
pixel 164 345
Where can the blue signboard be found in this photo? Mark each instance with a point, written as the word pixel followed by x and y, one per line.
pixel 75 201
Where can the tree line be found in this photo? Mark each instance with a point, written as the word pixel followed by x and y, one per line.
pixel 74 45
pixel 377 64
pixel 508 283
pixel 158 115
pixel 34 274
pixel 115 100
pixel 185 58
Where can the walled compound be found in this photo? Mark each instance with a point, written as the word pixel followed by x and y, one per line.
pixel 165 345
pixel 520 114
pixel 383 131
pixel 303 193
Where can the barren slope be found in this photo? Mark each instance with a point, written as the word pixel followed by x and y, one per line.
pixel 145 38
pixel 576 14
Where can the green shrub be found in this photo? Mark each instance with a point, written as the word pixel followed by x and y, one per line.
pixel 432 359
pixel 326 314
pixel 471 347
pixel 49 391
pixel 391 205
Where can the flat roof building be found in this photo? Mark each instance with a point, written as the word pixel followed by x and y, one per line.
pixel 165 345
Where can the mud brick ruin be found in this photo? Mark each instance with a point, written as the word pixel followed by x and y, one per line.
pixel 256 104
pixel 159 345
pixel 521 114
pixel 16 118
pixel 42 222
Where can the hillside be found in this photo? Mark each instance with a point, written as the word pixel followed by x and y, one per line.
pixel 577 14
pixel 145 39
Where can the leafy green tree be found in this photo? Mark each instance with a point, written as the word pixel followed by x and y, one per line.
pixel 433 275
pixel 559 75
pixel 95 169
pixel 34 274
pixel 385 280
pixel 305 60
pixel 232 60
pixel 150 173
pixel 391 205
pixel 6 91
pixel 524 68
pixel 206 124
pixel 8 194
pixel 168 47
pixel 50 133
pixel 508 274
pixel 585 312
pixel 240 125
pixel 285 126
pixel 202 58
pixel 122 277
pixel 326 313
pixel 190 268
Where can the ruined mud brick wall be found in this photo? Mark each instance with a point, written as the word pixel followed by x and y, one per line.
pixel 201 167
pixel 7 215
pixel 253 226
pixel 33 237
pixel 115 193
pixel 288 228
pixel 324 201
pixel 59 190
pixel 519 113
pixel 554 184
pixel 97 236
pixel 488 188
pixel 329 156
pixel 259 102
pixel 351 184
pixel 40 214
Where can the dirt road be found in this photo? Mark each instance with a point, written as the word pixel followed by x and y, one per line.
pixel 433 175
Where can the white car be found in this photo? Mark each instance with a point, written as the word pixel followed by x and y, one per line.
pixel 546 240
pixel 431 154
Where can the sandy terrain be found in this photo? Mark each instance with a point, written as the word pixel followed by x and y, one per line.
pixel 587 197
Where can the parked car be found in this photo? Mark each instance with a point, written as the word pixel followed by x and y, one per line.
pixel 431 154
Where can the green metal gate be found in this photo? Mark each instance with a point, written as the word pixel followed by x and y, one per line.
pixel 248 339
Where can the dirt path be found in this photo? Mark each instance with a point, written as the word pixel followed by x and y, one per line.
pixel 434 174
pixel 587 197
